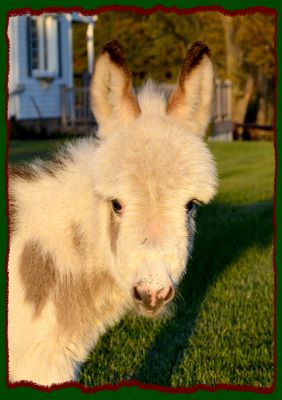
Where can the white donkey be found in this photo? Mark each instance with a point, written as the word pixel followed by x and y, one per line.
pixel 107 225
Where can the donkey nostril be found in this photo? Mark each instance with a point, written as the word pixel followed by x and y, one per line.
pixel 168 296
pixel 171 294
pixel 152 298
pixel 136 295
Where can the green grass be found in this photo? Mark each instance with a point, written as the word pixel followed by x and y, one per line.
pixel 27 150
pixel 222 327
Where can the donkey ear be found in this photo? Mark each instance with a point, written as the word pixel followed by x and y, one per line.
pixel 112 96
pixel 192 98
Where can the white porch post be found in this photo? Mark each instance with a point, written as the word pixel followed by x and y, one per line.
pixel 69 61
pixel 90 43
pixel 90 46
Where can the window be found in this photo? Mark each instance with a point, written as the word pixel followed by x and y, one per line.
pixel 43 46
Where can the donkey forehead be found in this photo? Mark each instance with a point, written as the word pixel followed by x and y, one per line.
pixel 156 143
pixel 156 158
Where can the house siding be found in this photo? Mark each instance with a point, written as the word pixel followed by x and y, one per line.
pixel 13 77
pixel 39 99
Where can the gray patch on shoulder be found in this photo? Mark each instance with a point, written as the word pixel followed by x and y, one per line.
pixel 38 275
pixel 80 299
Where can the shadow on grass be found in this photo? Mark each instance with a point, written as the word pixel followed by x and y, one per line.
pixel 225 232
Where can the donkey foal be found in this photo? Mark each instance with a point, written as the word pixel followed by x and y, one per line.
pixel 107 225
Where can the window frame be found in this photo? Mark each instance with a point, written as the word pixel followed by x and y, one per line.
pixel 44 42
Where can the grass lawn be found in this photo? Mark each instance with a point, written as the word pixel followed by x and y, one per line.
pixel 222 328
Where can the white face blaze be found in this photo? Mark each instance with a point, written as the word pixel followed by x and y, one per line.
pixel 159 167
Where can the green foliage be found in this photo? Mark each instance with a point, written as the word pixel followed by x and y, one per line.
pixel 150 52
pixel 255 36
pixel 159 40
pixel 79 48
pixel 156 44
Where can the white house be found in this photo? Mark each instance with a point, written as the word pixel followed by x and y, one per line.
pixel 40 64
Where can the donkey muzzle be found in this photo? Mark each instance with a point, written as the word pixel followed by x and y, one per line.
pixel 151 299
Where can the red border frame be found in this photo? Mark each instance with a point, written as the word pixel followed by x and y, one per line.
pixel 139 10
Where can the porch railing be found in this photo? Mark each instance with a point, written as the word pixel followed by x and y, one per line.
pixel 75 107
pixel 222 110
pixel 76 112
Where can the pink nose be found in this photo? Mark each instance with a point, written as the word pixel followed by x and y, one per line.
pixel 150 297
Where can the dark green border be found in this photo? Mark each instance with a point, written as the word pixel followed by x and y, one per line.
pixel 132 392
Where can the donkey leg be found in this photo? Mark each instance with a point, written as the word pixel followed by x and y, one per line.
pixel 45 362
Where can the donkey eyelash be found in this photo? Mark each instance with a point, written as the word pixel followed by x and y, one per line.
pixel 189 205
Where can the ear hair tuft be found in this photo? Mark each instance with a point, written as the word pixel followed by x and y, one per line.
pixel 116 53
pixel 191 99
pixel 193 57
pixel 112 94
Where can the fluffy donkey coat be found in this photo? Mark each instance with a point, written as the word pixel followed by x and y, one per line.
pixel 107 225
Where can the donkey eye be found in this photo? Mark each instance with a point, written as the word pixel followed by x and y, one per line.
pixel 117 207
pixel 189 205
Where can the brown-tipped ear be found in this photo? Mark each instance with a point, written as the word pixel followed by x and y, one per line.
pixel 192 98
pixel 112 96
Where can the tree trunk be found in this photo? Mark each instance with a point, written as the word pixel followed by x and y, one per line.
pixel 243 86
pixel 240 104
pixel 266 100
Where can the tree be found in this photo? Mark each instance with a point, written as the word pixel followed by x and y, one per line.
pixel 250 59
